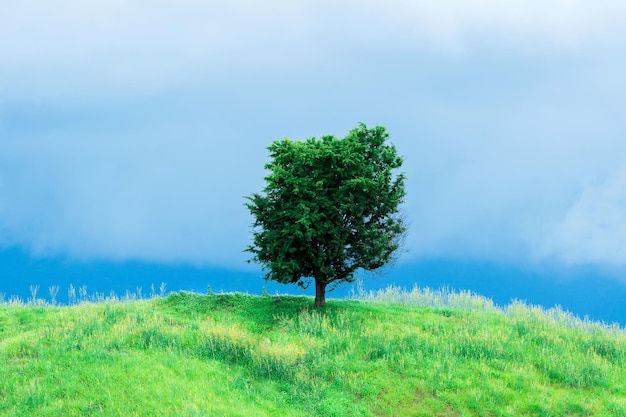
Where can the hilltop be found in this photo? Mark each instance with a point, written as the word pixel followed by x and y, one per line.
pixel 417 353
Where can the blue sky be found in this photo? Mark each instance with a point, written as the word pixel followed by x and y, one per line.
pixel 130 131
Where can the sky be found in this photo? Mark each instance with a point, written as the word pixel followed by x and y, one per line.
pixel 132 130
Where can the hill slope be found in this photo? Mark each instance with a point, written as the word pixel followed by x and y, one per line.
pixel 241 355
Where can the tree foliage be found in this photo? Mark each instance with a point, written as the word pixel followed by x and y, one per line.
pixel 330 208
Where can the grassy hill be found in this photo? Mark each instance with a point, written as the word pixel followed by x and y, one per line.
pixel 417 353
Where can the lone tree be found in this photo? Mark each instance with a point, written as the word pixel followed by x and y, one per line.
pixel 330 207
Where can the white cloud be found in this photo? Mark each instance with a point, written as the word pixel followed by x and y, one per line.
pixel 593 229
pixel 562 22
pixel 155 194
pixel 503 110
pixel 138 45
pixel 117 47
pixel 497 177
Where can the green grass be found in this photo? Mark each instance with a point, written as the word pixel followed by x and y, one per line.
pixel 392 353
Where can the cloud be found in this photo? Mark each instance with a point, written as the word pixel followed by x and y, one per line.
pixel 117 47
pixel 593 228
pixel 563 23
pixel 498 174
pixel 164 193
pixel 134 129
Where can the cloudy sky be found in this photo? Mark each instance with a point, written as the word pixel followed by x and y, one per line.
pixel 132 130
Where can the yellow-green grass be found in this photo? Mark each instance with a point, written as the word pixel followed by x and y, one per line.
pixel 241 355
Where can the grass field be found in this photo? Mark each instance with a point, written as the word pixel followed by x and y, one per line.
pixel 392 353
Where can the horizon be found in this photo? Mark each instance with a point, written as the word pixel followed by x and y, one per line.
pixel 532 287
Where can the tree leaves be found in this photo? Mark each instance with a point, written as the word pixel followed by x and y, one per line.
pixel 329 208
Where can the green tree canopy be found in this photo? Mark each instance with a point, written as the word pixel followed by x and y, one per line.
pixel 330 208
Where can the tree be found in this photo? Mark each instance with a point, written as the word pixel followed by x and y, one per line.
pixel 330 208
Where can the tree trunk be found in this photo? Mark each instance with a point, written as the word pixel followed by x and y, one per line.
pixel 320 293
